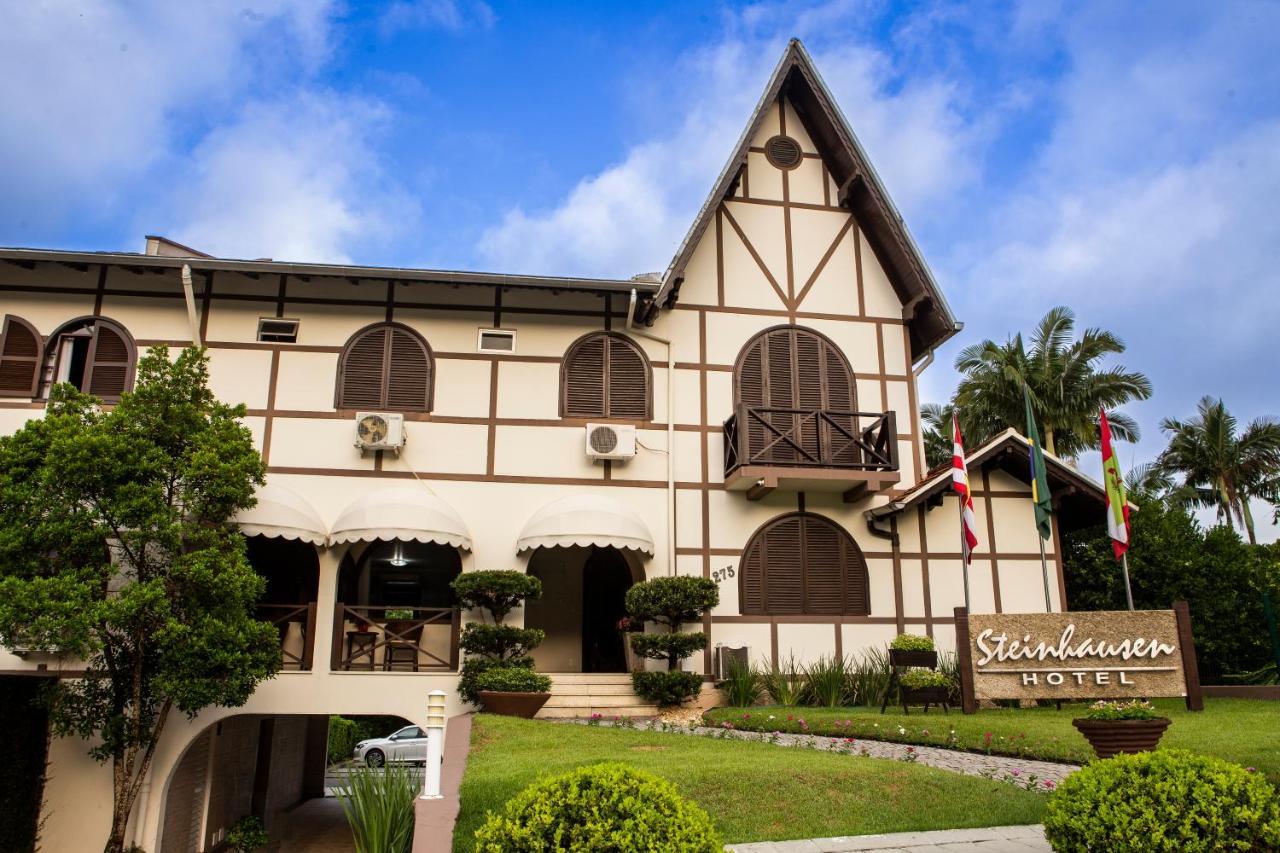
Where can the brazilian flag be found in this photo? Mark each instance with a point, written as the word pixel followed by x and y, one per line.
pixel 1039 480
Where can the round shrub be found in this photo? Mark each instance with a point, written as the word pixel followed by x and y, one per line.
pixel 605 807
pixel 1168 800
pixel 474 667
pixel 512 679
pixel 677 646
pixel 496 590
pixel 667 688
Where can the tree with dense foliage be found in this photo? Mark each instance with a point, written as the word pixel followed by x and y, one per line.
pixel 117 548
pixel 1171 558
pixel 1220 466
pixel 936 424
pixel 1066 384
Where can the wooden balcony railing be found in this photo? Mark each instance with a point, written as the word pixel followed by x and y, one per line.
pixel 392 638
pixel 297 650
pixel 769 437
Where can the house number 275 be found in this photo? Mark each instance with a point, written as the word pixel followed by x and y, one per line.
pixel 722 575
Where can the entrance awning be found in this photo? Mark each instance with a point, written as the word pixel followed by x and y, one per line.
pixel 401 513
pixel 282 513
pixel 586 520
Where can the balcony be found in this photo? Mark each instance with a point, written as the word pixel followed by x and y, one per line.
pixel 811 450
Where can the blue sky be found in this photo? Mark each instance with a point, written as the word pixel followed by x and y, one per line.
pixel 1122 158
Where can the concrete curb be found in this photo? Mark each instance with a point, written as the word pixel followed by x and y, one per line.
pixel 434 819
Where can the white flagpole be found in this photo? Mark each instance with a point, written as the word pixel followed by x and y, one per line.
pixel 964 550
pixel 1124 565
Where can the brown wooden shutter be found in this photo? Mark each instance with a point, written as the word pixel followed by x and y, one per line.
pixel 409 374
pixel 803 564
pixel 626 381
pixel 363 375
pixel 20 346
pixel 584 379
pixel 109 363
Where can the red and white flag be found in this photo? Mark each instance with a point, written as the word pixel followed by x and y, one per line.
pixel 960 483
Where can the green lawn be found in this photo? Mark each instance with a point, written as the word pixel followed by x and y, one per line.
pixel 1245 731
pixel 753 791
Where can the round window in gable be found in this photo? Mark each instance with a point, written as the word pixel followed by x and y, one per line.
pixel 783 152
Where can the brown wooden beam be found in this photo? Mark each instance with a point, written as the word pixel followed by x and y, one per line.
pixel 761 488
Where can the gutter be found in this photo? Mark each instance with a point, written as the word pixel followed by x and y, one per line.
pixel 188 290
pixel 882 512
pixel 671 429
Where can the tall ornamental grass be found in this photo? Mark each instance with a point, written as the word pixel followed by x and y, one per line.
pixel 379 807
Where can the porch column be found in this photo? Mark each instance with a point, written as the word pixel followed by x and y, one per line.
pixel 326 598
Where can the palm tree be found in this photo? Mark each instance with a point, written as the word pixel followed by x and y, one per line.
pixel 936 420
pixel 1221 468
pixel 1066 385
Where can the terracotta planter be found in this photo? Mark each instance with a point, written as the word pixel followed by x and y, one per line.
pixel 899 657
pixel 1111 737
pixel 513 704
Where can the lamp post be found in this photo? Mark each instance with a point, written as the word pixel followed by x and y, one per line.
pixel 435 745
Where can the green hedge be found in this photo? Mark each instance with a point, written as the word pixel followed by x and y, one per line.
pixel 1168 801
pixel 667 688
pixel 512 679
pixel 605 807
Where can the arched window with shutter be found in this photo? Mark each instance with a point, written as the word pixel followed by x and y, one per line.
pixel 605 375
pixel 784 372
pixel 94 354
pixel 385 366
pixel 20 346
pixel 803 564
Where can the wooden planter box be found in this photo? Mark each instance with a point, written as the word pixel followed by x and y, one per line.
pixel 513 704
pixel 1111 737
pixel 925 696
pixel 898 657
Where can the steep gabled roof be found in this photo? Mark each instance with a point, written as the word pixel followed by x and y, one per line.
pixel 929 319
pixel 1079 499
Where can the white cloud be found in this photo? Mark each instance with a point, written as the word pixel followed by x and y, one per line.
pixel 630 217
pixel 449 15
pixel 296 179
pixel 94 93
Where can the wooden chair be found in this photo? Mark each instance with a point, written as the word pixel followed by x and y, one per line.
pixel 360 648
pixel 400 649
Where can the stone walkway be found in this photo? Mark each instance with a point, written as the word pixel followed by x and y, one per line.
pixel 995 839
pixel 1023 772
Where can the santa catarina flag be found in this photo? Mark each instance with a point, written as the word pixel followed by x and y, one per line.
pixel 1039 480
pixel 960 483
pixel 1117 502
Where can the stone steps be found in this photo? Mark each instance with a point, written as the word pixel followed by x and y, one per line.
pixel 583 694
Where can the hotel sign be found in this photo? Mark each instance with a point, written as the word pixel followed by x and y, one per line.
pixel 1085 655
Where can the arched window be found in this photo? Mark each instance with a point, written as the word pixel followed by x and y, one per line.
pixel 605 375
pixel 789 368
pixel 94 354
pixel 801 563
pixel 385 366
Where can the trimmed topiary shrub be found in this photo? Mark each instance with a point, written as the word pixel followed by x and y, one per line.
pixel 666 688
pixel 498 591
pixel 664 646
pixel 672 601
pixel 512 679
pixel 1168 800
pixel 474 667
pixel 502 642
pixel 605 807
pixel 912 643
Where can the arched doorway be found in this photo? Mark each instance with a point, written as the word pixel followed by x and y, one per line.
pixel 583 597
pixel 397 608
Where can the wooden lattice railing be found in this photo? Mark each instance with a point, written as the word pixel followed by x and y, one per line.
pixel 768 436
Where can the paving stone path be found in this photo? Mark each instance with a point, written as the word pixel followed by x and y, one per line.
pixel 995 839
pixel 1024 772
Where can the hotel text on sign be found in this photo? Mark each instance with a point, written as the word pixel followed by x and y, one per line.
pixel 1087 655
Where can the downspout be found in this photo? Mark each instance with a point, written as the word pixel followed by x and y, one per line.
pixel 671 430
pixel 192 318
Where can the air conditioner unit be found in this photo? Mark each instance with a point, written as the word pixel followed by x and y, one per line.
pixel 610 441
pixel 379 431
pixel 727 656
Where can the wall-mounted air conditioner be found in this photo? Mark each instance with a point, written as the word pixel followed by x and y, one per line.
pixel 610 441
pixel 728 656
pixel 379 431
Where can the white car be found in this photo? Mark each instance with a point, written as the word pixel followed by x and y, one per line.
pixel 408 744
